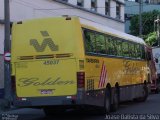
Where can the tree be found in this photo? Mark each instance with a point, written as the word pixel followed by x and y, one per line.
pixel 151 38
pixel 148 26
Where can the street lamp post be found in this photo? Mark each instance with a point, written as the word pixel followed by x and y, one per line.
pixel 7 80
pixel 157 22
pixel 140 17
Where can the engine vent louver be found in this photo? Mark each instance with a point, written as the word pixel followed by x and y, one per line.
pixel 45 56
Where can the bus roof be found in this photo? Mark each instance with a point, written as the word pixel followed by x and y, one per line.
pixel 102 28
pixel 111 31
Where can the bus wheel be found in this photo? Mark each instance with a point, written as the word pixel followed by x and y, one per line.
pixel 115 104
pixel 145 93
pixel 107 101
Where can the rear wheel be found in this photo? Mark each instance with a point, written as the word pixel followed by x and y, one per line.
pixel 115 104
pixel 107 101
pixel 145 92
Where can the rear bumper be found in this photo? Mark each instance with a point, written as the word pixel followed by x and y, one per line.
pixel 47 101
pixel 77 99
pixel 82 98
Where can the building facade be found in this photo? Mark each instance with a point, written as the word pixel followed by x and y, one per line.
pixel 132 8
pixel 153 1
pixel 107 12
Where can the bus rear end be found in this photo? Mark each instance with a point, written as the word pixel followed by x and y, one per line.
pixel 46 58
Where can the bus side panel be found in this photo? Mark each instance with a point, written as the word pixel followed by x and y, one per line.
pixel 100 71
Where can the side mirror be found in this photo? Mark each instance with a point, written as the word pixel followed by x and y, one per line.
pixel 156 60
pixel 148 55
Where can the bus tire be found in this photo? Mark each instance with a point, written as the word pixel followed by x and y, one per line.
pixel 107 101
pixel 145 93
pixel 115 104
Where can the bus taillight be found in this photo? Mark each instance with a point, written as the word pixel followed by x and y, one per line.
pixel 81 79
pixel 13 82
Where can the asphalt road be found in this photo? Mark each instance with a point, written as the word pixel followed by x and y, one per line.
pixel 149 110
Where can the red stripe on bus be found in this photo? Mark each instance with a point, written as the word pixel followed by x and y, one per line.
pixel 104 77
pixel 99 85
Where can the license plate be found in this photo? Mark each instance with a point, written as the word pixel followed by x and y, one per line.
pixel 46 92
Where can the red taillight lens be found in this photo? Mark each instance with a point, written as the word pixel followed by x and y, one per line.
pixel 80 79
pixel 13 82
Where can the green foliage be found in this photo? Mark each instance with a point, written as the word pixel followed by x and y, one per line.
pixel 147 22
pixel 134 27
pixel 148 26
pixel 151 38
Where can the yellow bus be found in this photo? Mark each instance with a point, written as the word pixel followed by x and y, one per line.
pixel 69 62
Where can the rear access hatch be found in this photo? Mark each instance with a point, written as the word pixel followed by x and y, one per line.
pixel 54 77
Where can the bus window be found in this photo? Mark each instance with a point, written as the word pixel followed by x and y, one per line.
pixel 131 50
pixel 112 46
pixel 107 44
pixel 90 42
pixel 100 44
pixel 143 55
pixel 119 48
pixel 137 51
pixel 125 48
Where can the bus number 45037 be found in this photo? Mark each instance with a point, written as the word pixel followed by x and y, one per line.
pixel 51 62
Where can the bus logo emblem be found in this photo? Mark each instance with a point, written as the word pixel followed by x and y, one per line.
pixel 47 41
